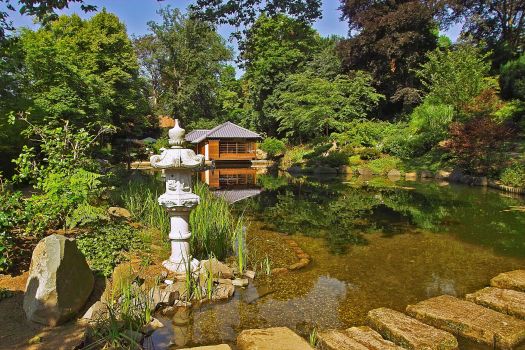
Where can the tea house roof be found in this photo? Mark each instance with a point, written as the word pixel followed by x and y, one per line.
pixel 227 130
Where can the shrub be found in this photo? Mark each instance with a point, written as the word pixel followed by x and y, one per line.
pixel 274 147
pixel 106 247
pixel 512 79
pixel 67 201
pixel 455 76
pixel 514 175
pixel 401 142
pixel 362 133
pixel 430 123
pixel 294 156
pixel 477 144
pixel 335 159
pixel 369 153
pixel 383 165
pixel 12 214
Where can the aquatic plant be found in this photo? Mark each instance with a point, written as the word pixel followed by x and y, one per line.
pixel 213 224
pixel 215 229
pixel 127 311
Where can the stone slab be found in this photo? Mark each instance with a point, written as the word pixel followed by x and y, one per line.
pixel 370 338
pixel 507 301
pixel 337 340
pixel 471 321
pixel 409 332
pixel 271 339
pixel 510 280
pixel 210 347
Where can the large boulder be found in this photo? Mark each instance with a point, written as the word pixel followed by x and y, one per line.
pixel 59 282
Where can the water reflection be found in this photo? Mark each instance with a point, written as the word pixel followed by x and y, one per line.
pixel 234 184
pixel 374 243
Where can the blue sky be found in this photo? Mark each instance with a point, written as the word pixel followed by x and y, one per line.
pixel 137 13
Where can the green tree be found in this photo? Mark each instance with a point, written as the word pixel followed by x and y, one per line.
pixel 306 105
pixel 512 79
pixel 183 59
pixel 455 76
pixel 43 10
pixel 275 48
pixel 85 72
pixel 244 13
pixel 389 40
pixel 497 24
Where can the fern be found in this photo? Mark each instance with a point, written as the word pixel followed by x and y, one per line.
pixel 86 214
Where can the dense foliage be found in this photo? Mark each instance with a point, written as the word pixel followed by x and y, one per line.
pixel 107 246
pixel 183 59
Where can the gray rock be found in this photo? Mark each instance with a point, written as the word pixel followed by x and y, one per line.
pixel 364 171
pixel 240 282
pixel 425 174
pixel 59 282
pixel 250 274
pixel 152 326
pixel 394 173
pixel 223 291
pixel 96 311
pixel 165 296
pixel 119 212
pixel 216 268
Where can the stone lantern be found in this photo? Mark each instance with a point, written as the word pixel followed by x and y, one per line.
pixel 178 164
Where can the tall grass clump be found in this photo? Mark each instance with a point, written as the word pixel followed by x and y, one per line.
pixel 140 197
pixel 215 229
pixel 128 310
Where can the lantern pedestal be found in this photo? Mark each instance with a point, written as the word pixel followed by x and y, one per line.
pixel 178 163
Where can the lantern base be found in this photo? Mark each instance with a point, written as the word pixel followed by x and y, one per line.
pixel 181 267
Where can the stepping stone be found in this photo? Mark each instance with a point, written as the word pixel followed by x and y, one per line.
pixel 408 332
pixel 210 347
pixel 508 301
pixel 471 321
pixel 271 339
pixel 355 338
pixel 510 280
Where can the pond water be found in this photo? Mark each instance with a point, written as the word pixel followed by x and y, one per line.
pixel 373 243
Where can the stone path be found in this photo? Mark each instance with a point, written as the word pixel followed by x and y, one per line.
pixel 470 321
pixel 507 301
pixel 493 316
pixel 408 332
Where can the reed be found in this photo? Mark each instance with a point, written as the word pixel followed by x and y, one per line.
pixel 216 230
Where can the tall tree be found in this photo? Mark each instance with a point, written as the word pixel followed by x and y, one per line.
pixel 306 105
pixel 498 23
pixel 389 39
pixel 244 13
pixel 86 72
pixel 43 10
pixel 183 59
pixel 275 48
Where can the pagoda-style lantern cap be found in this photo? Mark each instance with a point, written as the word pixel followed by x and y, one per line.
pixel 176 156
pixel 176 134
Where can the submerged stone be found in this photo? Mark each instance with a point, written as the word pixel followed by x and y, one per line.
pixel 59 282
pixel 271 339
pixel 211 347
pixel 471 321
pixel 355 338
pixel 510 280
pixel 508 301
pixel 409 332
pixel 216 268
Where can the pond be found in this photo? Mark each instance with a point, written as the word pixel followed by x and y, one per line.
pixel 374 243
